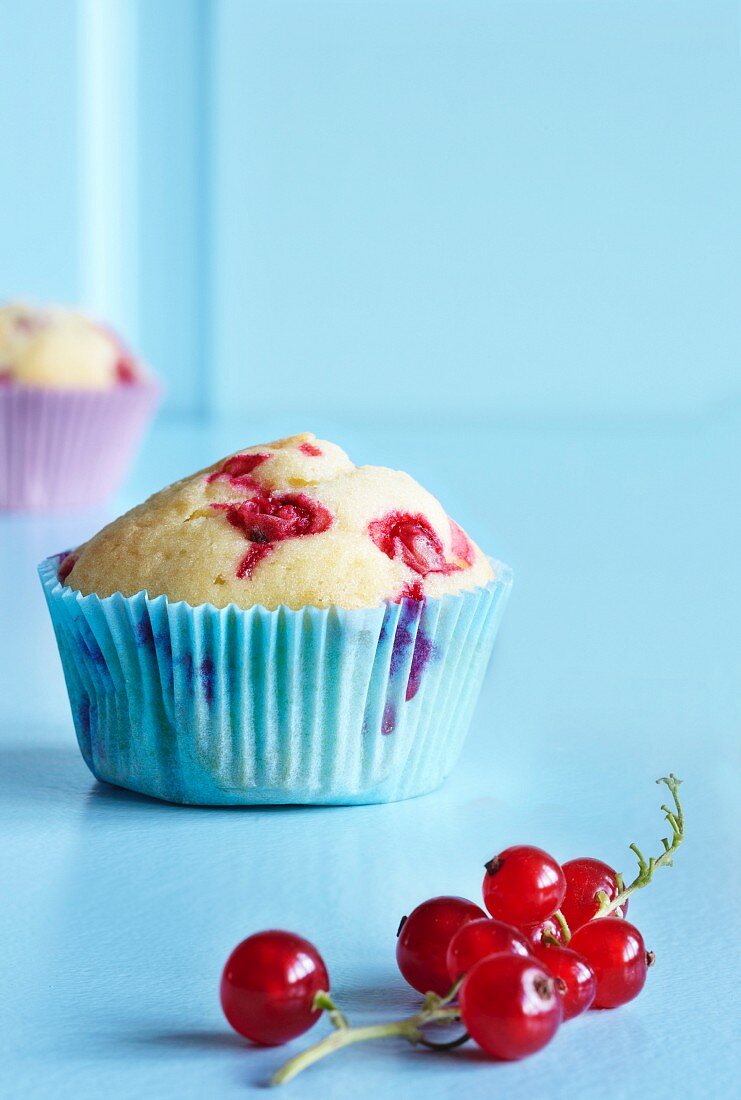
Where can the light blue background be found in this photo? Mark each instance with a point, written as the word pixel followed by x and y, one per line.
pixel 495 244
pixel 468 207
pixel 618 660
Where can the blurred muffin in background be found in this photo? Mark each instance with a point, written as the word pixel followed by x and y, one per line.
pixel 63 349
pixel 73 405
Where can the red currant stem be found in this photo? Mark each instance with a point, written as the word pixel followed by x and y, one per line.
pixel 432 1000
pixel 561 921
pixel 433 1011
pixel 337 1018
pixel 646 867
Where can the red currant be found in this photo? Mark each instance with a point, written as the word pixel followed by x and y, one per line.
pixel 584 877
pixel 578 978
pixel 509 1006
pixel 523 885
pixel 268 987
pixel 616 952
pixel 479 938
pixel 423 940
pixel 536 933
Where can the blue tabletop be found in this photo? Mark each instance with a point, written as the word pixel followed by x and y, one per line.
pixel 619 659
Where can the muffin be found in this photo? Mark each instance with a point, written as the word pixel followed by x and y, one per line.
pixel 283 626
pixel 73 404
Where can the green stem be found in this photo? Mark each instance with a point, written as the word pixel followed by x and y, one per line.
pixel 561 921
pixel 409 1028
pixel 647 867
pixel 337 1018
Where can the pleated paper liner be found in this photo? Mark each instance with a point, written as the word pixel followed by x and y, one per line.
pixel 227 707
pixel 63 449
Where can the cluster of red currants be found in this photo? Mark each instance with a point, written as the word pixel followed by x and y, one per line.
pixel 519 979
pixel 555 943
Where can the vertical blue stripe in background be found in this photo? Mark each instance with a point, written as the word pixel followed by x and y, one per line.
pixel 41 163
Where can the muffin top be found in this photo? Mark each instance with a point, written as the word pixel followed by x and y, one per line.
pixel 292 522
pixel 56 348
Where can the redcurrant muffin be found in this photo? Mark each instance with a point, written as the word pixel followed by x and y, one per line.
pixel 283 626
pixel 73 403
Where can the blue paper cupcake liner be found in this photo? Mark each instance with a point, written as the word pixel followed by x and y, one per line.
pixel 232 707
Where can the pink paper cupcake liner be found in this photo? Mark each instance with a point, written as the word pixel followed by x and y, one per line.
pixel 64 449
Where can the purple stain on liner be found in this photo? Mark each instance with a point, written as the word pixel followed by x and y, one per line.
pixel 404 638
pixel 388 722
pixel 143 632
pixel 163 648
pixel 83 717
pixel 187 662
pixel 424 650
pixel 94 652
pixel 207 671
